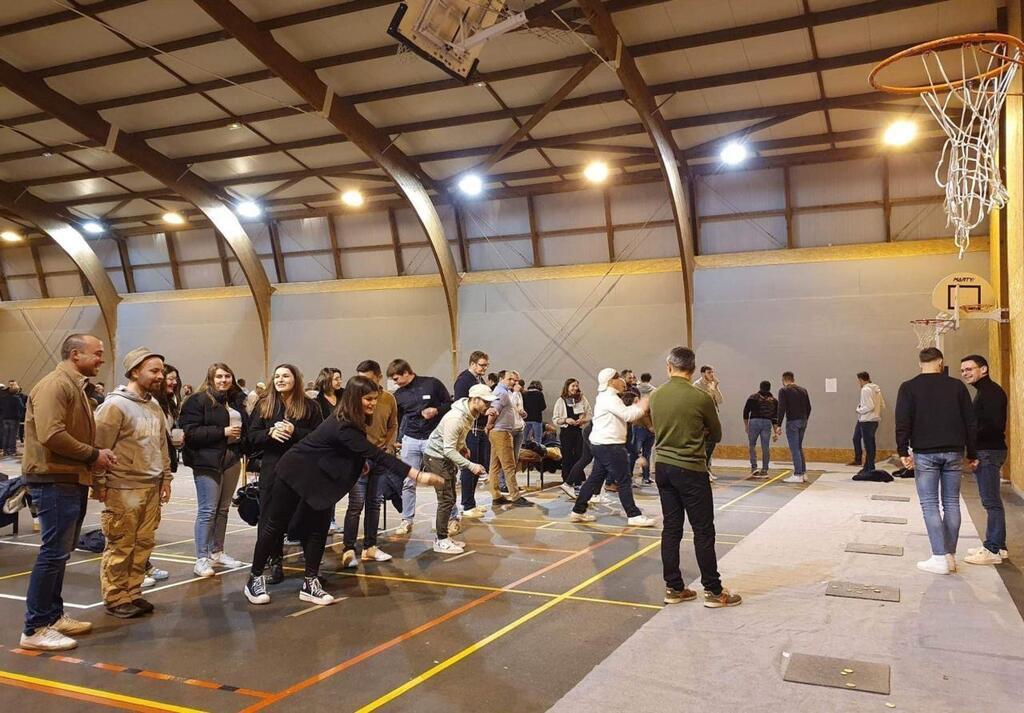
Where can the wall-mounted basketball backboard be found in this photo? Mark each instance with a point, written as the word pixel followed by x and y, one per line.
pixel 451 33
pixel 962 290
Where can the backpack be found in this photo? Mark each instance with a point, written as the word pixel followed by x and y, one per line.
pixel 92 541
pixel 247 500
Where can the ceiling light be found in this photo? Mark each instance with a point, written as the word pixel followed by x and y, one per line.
pixel 172 218
pixel 734 153
pixel 93 227
pixel 596 171
pixel 900 132
pixel 47 154
pixel 481 84
pixel 9 236
pixel 352 198
pixel 234 126
pixel 249 209
pixel 471 185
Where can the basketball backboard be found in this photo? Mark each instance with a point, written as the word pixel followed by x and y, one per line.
pixel 962 289
pixel 451 33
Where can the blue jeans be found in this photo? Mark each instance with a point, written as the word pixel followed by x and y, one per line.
pixel 363 494
pixel 936 473
pixel 412 454
pixel 795 431
pixel 9 436
pixel 214 501
pixel 643 441
pixel 534 431
pixel 759 428
pixel 479 446
pixel 866 430
pixel 61 509
pixel 611 463
pixel 987 475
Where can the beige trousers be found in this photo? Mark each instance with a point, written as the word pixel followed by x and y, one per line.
pixel 503 458
pixel 129 521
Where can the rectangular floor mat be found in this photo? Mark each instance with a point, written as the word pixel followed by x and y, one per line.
pixel 869 549
pixel 884 518
pixel 838 673
pixel 854 590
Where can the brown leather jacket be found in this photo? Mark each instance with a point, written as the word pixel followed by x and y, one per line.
pixel 59 430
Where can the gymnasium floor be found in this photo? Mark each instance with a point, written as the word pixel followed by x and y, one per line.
pixel 547 599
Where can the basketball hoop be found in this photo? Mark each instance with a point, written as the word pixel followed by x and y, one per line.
pixel 930 331
pixel 968 168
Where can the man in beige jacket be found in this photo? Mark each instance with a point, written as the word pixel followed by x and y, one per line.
pixel 57 466
pixel 131 422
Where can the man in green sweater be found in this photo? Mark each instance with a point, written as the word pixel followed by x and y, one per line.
pixel 684 419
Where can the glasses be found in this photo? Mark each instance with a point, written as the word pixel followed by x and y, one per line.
pixel 484 364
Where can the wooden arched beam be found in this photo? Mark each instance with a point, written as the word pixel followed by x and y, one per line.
pixel 379 148
pixel 617 55
pixel 179 178
pixel 19 201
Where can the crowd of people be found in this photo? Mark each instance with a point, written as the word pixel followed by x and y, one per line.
pixel 377 436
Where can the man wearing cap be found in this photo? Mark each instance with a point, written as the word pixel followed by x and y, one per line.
pixel 444 455
pixel 58 464
pixel 130 421
pixel 608 444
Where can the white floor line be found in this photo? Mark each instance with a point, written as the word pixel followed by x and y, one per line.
pixel 464 554
pixel 314 608
pixel 67 604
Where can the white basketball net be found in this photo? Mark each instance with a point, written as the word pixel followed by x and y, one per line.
pixel 968 169
pixel 929 332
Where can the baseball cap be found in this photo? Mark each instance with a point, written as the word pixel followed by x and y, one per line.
pixel 482 391
pixel 603 377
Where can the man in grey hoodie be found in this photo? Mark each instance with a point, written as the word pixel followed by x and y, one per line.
pixel 445 453
pixel 869 414
pixel 130 422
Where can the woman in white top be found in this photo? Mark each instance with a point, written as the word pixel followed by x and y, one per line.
pixel 518 415
pixel 215 424
pixel 608 444
pixel 572 414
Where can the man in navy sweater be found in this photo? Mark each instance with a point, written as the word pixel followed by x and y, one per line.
pixel 990 409
pixel 934 416
pixel 477 442
pixel 422 401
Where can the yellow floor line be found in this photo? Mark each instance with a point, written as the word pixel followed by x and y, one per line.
pixel 469 650
pixel 766 483
pixel 479 587
pixel 67 688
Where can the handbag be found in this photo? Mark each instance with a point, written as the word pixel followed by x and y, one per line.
pixel 247 500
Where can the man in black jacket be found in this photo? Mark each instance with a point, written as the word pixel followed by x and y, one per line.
pixel 10 416
pixel 422 401
pixel 795 410
pixel 477 442
pixel 990 410
pixel 934 416
pixel 760 418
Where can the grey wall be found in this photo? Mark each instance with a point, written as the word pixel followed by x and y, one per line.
pixel 31 335
pixel 820 321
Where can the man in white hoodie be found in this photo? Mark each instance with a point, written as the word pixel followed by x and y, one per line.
pixel 130 422
pixel 444 454
pixel 869 413
pixel 608 444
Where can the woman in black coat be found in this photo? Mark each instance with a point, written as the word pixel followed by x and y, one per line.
pixel 328 387
pixel 214 422
pixel 279 420
pixel 312 477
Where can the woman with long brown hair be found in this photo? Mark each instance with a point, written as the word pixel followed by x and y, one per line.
pixel 572 414
pixel 312 477
pixel 280 419
pixel 328 388
pixel 214 422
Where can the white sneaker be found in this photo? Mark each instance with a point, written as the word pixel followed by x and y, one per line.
pixel 46 638
pixel 794 479
pixel 474 513
pixel 983 557
pixel 203 568
pixel 71 627
pixel 1003 554
pixel 372 554
pixel 936 564
pixel 224 560
pixel 712 477
pixel 349 559
pixel 405 528
pixel 567 489
pixel 581 517
pixel 158 574
pixel 454 527
pixel 148 582
pixel 641 521
pixel 333 529
pixel 951 562
pixel 447 547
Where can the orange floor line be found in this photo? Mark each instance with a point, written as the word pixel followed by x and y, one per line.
pixel 369 653
pixel 74 695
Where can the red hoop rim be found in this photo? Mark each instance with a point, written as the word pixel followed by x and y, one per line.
pixel 932 321
pixel 944 43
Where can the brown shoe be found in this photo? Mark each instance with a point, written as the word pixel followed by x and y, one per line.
pixel 725 598
pixel 611 488
pixel 674 596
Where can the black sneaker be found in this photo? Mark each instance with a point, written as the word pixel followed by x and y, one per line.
pixel 144 605
pixel 312 591
pixel 647 481
pixel 502 500
pixel 275 573
pixel 124 611
pixel 256 590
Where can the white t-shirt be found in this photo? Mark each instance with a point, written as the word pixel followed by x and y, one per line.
pixel 611 417
pixel 234 419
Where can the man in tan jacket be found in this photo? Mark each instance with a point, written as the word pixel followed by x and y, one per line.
pixel 131 422
pixel 57 465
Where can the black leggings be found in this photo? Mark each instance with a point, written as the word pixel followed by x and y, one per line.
pixel 274 522
pixel 576 476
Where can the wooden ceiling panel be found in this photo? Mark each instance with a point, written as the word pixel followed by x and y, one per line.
pixel 142 75
pixel 27 168
pixel 402 110
pixel 219 59
pixel 256 96
pixel 56 44
pixel 156 21
pixel 491 133
pixel 332 155
pixel 392 71
pixel 779 48
pixel 335 35
pixel 295 126
pixel 673 19
pixel 163 113
pixel 518 48
pixel 12 105
pixel 249 165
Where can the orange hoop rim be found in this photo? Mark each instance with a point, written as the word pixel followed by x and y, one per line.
pixel 974 38
pixel 932 321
